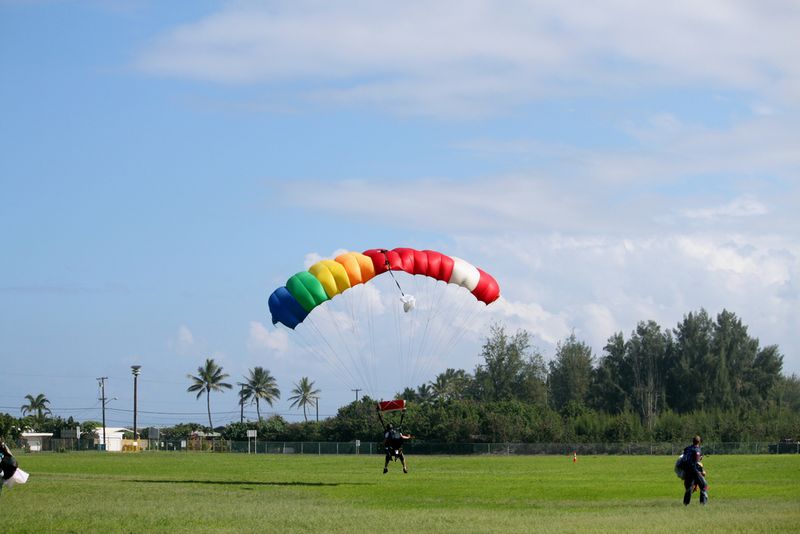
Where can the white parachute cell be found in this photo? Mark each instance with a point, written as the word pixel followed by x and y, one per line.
pixel 464 274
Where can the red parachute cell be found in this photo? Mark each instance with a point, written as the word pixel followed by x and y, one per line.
pixel 392 405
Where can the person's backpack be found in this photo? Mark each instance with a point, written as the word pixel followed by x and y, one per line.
pixel 679 463
pixel 685 461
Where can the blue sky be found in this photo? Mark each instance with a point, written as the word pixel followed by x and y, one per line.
pixel 164 168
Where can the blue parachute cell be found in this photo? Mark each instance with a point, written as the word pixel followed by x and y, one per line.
pixel 285 308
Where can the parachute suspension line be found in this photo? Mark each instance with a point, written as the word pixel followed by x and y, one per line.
pixel 417 342
pixel 396 282
pixel 330 356
pixel 369 339
pixel 448 331
pixel 347 345
pixel 401 338
pixel 448 336
pixel 414 341
pixel 373 351
pixel 405 322
pixel 454 337
pixel 431 334
pixel 423 286
pixel 389 268
pixel 363 360
pixel 338 358
pixel 412 322
pixel 333 357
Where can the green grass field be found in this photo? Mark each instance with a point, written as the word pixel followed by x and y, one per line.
pixel 203 492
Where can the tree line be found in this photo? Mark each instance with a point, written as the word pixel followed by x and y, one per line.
pixel 706 375
pixel 702 364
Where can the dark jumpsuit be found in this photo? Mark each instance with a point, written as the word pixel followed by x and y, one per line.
pixel 8 464
pixel 693 474
pixel 393 442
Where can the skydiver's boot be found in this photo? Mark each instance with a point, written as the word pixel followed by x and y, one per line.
pixel 687 497
pixel 703 496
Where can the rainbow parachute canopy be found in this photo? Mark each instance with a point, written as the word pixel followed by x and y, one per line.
pixel 291 304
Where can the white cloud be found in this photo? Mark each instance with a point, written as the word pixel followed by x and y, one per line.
pixel 738 207
pixel 531 316
pixel 183 341
pixel 760 108
pixel 469 57
pixel 587 287
pixel 745 256
pixel 598 323
pixel 185 337
pixel 313 257
pixel 262 339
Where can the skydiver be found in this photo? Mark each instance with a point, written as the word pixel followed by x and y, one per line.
pixel 693 472
pixel 393 439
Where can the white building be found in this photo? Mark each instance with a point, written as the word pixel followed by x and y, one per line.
pixel 35 441
pixel 113 440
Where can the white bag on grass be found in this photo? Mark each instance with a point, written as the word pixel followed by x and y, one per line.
pixel 19 477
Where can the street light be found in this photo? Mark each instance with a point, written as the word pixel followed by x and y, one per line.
pixel 135 370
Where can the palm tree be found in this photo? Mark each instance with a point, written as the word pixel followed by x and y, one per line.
pixel 440 388
pixel 304 395
pixel 409 394
pixel 449 385
pixel 260 385
pixel 209 378
pixel 38 404
pixel 424 393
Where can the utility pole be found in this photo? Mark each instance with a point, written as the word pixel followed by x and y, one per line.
pixel 102 381
pixel 356 390
pixel 316 405
pixel 241 403
pixel 135 370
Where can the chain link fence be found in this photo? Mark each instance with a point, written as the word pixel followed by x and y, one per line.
pixel 421 447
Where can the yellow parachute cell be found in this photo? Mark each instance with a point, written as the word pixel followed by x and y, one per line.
pixel 332 275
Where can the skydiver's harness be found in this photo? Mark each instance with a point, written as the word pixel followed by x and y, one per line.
pixel 394 436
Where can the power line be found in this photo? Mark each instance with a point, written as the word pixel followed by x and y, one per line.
pixel 38 375
pixel 52 410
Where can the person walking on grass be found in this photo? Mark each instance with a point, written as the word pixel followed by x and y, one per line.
pixel 693 472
